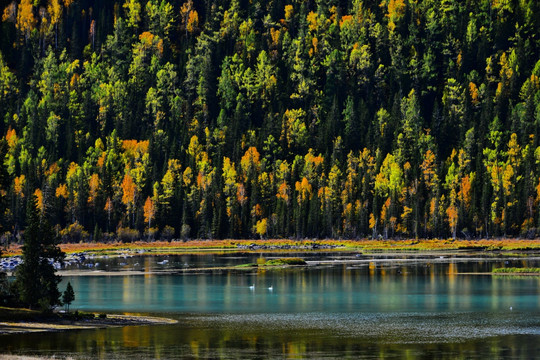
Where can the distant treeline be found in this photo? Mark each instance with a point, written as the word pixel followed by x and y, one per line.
pixel 271 118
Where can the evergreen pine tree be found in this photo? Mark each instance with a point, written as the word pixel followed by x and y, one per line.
pixel 36 282
pixel 68 296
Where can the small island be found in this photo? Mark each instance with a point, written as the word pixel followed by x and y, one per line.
pixel 280 262
pixel 517 271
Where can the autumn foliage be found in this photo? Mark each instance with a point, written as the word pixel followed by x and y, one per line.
pixel 388 119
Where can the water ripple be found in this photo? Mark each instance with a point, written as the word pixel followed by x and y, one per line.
pixel 413 327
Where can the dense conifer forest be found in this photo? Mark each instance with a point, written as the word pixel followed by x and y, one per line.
pixel 271 118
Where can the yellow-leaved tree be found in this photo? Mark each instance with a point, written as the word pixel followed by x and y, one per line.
pixel 149 212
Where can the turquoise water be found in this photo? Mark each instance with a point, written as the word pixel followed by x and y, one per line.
pixel 331 290
pixel 386 309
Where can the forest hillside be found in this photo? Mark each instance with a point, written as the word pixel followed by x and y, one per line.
pixel 271 118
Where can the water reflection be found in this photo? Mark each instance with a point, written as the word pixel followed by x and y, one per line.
pixel 341 288
pixel 251 338
pixel 381 307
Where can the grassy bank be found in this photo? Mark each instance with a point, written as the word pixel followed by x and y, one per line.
pixel 194 246
pixel 516 271
pixel 16 314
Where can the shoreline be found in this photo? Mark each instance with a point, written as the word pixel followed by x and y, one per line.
pixel 60 324
pixel 284 245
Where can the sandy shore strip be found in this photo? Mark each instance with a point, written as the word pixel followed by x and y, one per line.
pixel 112 320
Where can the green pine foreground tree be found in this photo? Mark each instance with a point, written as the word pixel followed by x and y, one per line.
pixel 36 281
pixel 68 296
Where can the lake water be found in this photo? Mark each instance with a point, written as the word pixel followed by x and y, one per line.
pixel 382 306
